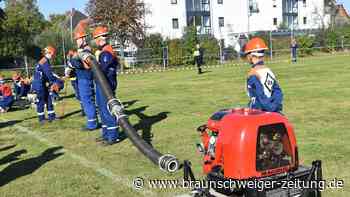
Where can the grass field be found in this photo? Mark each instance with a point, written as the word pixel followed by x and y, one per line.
pixel 167 107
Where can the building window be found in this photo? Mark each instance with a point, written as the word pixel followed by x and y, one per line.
pixel 305 20
pixel 221 22
pixel 220 1
pixel 173 1
pixel 175 23
pixel 274 3
pixel 274 21
pixel 198 20
pixel 304 3
pixel 206 21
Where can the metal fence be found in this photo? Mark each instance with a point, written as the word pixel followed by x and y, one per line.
pixel 151 60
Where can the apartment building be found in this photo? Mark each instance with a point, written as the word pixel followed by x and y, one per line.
pixel 224 18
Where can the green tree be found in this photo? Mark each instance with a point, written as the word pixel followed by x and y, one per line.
pixel 124 18
pixel 23 22
pixel 189 41
pixel 154 42
pixel 2 18
pixel 2 15
pixel 57 35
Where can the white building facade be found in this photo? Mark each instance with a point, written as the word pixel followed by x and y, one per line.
pixel 224 18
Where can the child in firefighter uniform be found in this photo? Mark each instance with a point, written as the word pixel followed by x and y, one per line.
pixel 108 62
pixel 85 82
pixel 21 86
pixel 262 86
pixel 6 97
pixel 44 81
pixel 70 73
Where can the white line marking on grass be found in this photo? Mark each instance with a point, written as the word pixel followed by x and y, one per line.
pixel 85 162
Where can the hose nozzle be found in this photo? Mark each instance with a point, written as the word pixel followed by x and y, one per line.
pixel 168 163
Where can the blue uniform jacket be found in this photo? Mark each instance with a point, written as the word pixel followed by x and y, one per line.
pixel 80 71
pixel 43 76
pixel 109 63
pixel 263 89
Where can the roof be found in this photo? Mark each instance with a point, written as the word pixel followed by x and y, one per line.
pixel 77 16
pixel 342 11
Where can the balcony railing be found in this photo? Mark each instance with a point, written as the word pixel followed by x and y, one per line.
pixel 204 7
pixel 204 30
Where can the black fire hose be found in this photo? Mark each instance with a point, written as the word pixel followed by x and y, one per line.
pixel 168 163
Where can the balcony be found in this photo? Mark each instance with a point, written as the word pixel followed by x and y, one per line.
pixel 290 7
pixel 198 7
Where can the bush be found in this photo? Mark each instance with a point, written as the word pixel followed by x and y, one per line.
pixel 331 40
pixel 345 33
pixel 151 50
pixel 211 48
pixel 305 43
pixel 176 52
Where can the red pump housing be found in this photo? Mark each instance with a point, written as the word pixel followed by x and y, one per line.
pixel 248 143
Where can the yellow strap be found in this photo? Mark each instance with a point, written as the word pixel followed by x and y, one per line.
pixel 97 54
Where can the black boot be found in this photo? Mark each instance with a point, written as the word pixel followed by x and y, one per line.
pixel 200 71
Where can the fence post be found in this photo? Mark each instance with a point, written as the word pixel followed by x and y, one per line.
pixel 165 57
pixel 271 55
pixel 122 58
pixel 26 65
pixel 221 58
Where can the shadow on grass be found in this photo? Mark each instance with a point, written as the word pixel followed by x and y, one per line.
pixel 127 104
pixel 68 96
pixel 9 123
pixel 7 147
pixel 146 122
pixel 16 109
pixel 12 157
pixel 206 71
pixel 27 166
pixel 70 114
pixel 19 105
pixel 13 122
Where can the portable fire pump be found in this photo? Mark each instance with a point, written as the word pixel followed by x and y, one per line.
pixel 245 145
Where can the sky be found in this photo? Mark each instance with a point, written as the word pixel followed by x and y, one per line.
pixel 48 7
pixel 346 3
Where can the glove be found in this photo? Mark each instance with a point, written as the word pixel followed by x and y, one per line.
pixel 84 56
pixel 55 87
pixel 32 98
pixel 67 71
pixel 97 54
